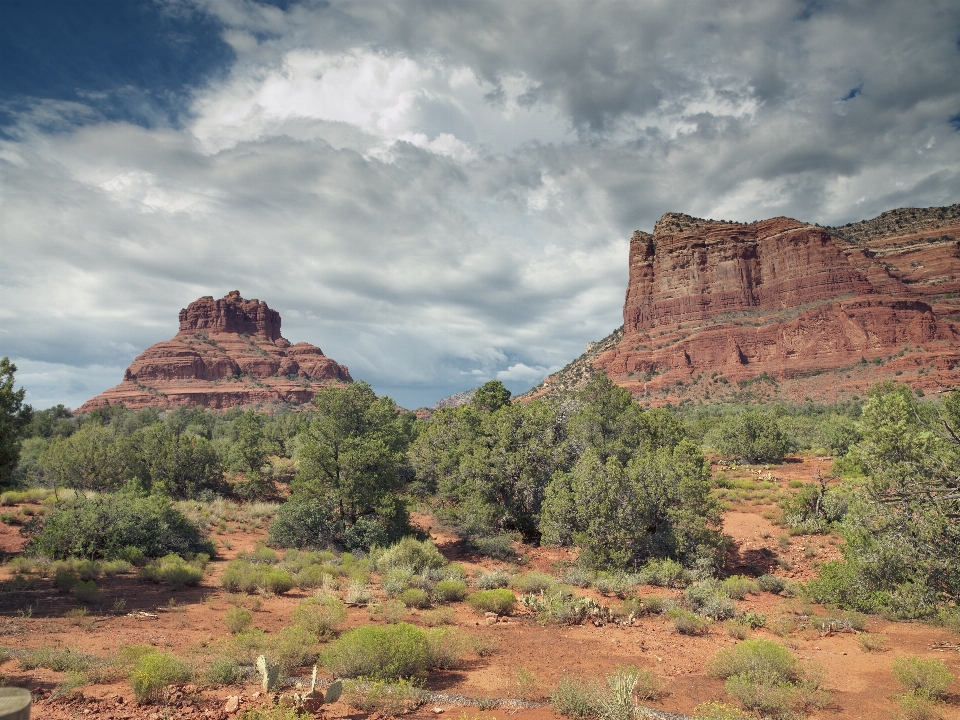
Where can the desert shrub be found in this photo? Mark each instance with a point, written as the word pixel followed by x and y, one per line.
pixel 315 576
pixel 736 587
pixel 616 700
pixel 615 584
pixel 709 599
pixel 272 712
pixel 382 653
pixel 648 685
pixel 104 526
pixel 321 615
pixel 56 660
pixel 716 711
pixel 871 642
pixel 532 582
pixel 917 707
pixel 247 645
pixel 655 604
pixel 753 620
pixel 65 578
pixel 493 580
pixel 447 591
pixel 391 611
pixel 495 547
pixel 408 553
pixel 437 617
pixel 499 601
pixel 924 678
pixel 116 567
pixel 152 672
pixel 665 573
pixel 414 597
pixel 358 593
pixel 559 606
pixel 761 657
pixel 688 623
pixel 386 698
pixel 770 699
pixel 237 619
pixel 577 698
pixel 244 576
pixel 294 646
pixel 446 647
pixel 771 583
pixel 223 671
pixel 578 577
pixel 172 570
pixel 396 580
pixel 87 591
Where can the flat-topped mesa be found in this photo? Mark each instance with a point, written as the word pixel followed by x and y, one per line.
pixel 809 312
pixel 691 270
pixel 231 314
pixel 228 352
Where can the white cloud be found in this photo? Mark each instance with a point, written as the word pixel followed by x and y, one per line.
pixel 438 194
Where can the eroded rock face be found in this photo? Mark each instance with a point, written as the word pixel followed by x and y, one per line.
pixel 228 352
pixel 819 313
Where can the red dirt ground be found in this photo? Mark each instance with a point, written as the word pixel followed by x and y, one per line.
pixel 191 619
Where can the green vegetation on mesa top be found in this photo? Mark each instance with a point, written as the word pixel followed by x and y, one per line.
pixel 626 486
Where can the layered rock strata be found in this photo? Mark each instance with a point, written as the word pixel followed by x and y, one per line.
pixel 819 313
pixel 228 352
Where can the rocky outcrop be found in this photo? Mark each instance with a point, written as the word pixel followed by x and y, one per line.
pixel 228 352
pixel 819 313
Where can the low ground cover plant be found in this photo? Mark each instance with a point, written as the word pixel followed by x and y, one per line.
pixel 923 678
pixel 245 576
pixel 174 570
pixel 387 698
pixel 321 615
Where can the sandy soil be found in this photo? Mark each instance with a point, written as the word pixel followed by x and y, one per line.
pixel 190 620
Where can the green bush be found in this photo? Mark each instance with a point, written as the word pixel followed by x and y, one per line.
pixel 759 657
pixel 688 623
pixel 87 592
pixel 223 671
pixel 237 619
pixel 665 573
pixel 532 582
pixel 496 547
pixel 770 699
pixel 152 672
pixel 321 615
pixel 56 660
pixel 65 579
pixel 174 571
pixel 447 591
pixel 103 527
pixel 414 597
pixel 244 576
pixel 499 601
pixel 446 647
pixel 753 436
pixel 293 647
pixel 577 698
pixel 409 553
pixel 736 587
pixel 391 699
pixel 382 653
pixel 493 580
pixel 315 576
pixel 716 711
pixel 771 584
pixel 925 678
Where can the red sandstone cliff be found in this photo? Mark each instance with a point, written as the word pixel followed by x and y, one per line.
pixel 228 352
pixel 814 312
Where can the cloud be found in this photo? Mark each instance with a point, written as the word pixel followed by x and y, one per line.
pixel 442 193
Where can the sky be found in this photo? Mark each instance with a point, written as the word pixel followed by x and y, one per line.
pixel 434 193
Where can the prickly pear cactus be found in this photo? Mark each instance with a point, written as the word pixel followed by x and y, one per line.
pixel 268 673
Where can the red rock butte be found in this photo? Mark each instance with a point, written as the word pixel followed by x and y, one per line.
pixel 811 312
pixel 228 352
